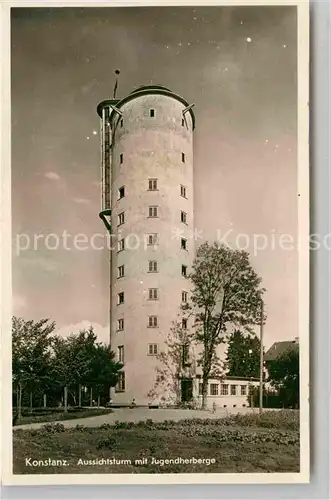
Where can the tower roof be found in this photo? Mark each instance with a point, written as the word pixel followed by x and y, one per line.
pixel 144 90
pixel 149 87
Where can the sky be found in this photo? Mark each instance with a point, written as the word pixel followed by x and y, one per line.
pixel 236 64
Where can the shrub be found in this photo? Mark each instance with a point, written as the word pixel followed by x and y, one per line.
pixel 80 428
pixel 105 426
pixel 53 428
pixel 123 425
pixel 241 435
pixel 108 442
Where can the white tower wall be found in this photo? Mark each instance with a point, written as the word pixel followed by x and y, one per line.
pixel 151 148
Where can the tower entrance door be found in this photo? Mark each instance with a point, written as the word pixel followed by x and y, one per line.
pixel 186 390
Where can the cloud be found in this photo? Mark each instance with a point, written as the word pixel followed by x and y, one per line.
pixel 82 201
pixel 53 176
pixel 102 332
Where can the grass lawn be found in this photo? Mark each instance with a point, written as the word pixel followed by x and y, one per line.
pixel 231 445
pixel 57 416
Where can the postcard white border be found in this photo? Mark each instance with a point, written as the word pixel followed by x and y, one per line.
pixel 8 477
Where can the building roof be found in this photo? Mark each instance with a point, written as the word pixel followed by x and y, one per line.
pixel 278 348
pixel 149 87
pixel 229 378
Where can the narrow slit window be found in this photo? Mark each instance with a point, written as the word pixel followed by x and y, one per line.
pixel 121 245
pixel 185 355
pixel 184 271
pixel 183 244
pixel 120 271
pixel 184 296
pixel 120 298
pixel 183 191
pixel 120 387
pixel 120 324
pixel 121 219
pixel 120 353
pixel 122 122
pixel 152 113
pixel 183 217
pixel 121 158
pixel 183 157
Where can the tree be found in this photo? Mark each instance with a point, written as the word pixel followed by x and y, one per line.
pixel 243 355
pixel 176 360
pixel 80 361
pixel 104 370
pixel 284 376
pixel 31 356
pixel 226 293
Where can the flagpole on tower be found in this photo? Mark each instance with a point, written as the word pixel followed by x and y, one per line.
pixel 117 72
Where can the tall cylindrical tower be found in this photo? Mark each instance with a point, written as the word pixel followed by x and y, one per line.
pixel 147 179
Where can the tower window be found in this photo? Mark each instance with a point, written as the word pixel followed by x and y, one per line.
pixel 184 271
pixel 152 321
pixel 120 219
pixel 183 244
pixel 214 389
pixel 121 245
pixel 152 266
pixel 120 298
pixel 121 158
pixel 120 324
pixel 185 355
pixel 120 353
pixel 184 323
pixel 183 122
pixel 152 239
pixel 183 157
pixel 152 113
pixel 184 296
pixel 152 349
pixel 120 271
pixel 183 191
pixel 121 122
pixel 120 386
pixel 183 217
pixel 153 294
pixel 121 192
pixel 152 184
pixel 153 211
